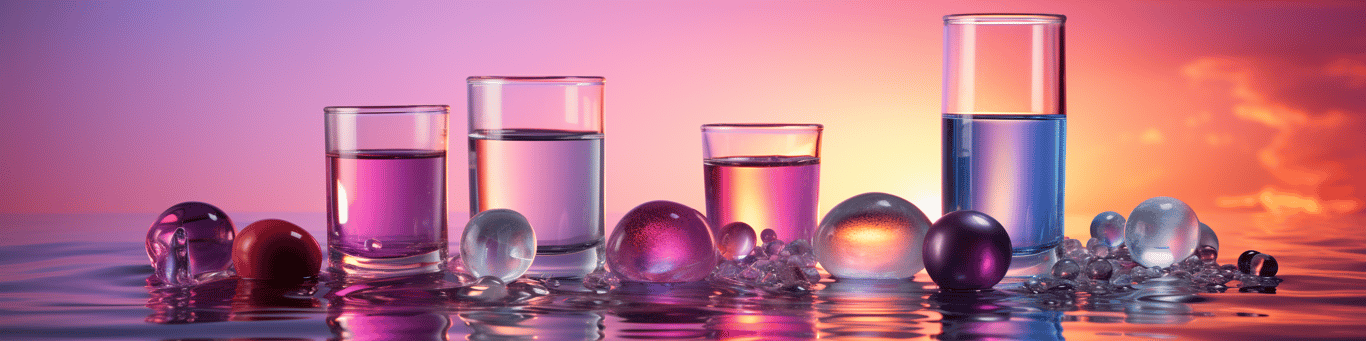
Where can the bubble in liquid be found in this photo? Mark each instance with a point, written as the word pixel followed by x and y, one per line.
pixel 1109 227
pixel 872 235
pixel 190 243
pixel 500 243
pixel 661 241
pixel 737 240
pixel 1066 269
pixel 1161 231
pixel 966 250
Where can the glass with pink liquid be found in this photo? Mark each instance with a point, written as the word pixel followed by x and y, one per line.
pixel 535 147
pixel 765 175
pixel 386 190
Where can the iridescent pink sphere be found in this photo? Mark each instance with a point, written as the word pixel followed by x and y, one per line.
pixel 661 241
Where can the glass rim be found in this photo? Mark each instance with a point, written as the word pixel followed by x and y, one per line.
pixel 388 109
pixel 1004 18
pixel 722 127
pixel 553 80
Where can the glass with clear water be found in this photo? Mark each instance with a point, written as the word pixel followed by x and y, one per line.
pixel 1005 127
pixel 535 147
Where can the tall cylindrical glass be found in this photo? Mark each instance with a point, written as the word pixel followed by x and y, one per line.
pixel 765 175
pixel 536 148
pixel 1005 126
pixel 386 189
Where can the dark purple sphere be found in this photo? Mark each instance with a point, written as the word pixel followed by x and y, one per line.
pixel 967 250
pixel 1245 261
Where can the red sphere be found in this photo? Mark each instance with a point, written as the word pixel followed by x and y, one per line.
pixel 275 249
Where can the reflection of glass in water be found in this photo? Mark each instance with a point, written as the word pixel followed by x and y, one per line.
pixel 518 323
pixel 766 192
pixel 397 308
pixel 890 309
pixel 387 205
pixel 1009 167
pixel 388 324
pixel 552 177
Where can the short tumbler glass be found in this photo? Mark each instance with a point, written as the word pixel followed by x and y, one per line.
pixel 765 175
pixel 386 190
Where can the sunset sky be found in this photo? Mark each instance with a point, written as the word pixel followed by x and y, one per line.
pixel 132 106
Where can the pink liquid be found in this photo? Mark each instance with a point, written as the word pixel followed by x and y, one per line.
pixel 554 178
pixel 766 192
pixel 386 203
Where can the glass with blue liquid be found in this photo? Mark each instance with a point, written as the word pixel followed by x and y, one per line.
pixel 1005 127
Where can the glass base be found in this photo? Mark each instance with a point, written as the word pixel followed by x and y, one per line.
pixel 357 267
pixel 570 261
pixel 1030 264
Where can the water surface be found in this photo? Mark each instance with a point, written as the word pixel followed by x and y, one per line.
pixel 82 276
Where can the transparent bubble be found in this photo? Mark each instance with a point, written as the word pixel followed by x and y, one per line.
pixel 1109 227
pixel 1098 248
pixel 774 248
pixel 768 236
pixel 1099 270
pixel 600 279
pixel 661 241
pixel 499 243
pixel 1207 237
pixel 190 243
pixel 1207 254
pixel 1066 269
pixel 487 288
pixel 1161 231
pixel 737 241
pixel 872 235
pixel 1036 284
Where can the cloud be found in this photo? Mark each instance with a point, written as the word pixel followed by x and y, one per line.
pixel 1317 108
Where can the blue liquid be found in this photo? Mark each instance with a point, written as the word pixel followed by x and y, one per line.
pixel 1009 167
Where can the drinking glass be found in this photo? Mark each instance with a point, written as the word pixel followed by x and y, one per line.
pixel 386 189
pixel 536 148
pixel 765 175
pixel 1005 127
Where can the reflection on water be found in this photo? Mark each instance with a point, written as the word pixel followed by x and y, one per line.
pixel 96 289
